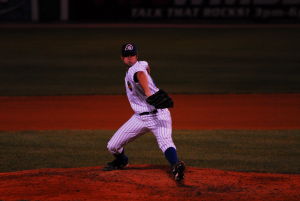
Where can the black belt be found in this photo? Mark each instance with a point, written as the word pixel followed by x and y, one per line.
pixel 146 113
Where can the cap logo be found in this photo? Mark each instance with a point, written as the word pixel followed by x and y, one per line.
pixel 128 47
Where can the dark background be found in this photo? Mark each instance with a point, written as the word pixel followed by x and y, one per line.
pixel 183 11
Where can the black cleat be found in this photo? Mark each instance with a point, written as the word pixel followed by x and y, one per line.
pixel 116 165
pixel 178 171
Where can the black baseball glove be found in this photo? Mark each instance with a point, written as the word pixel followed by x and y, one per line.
pixel 160 100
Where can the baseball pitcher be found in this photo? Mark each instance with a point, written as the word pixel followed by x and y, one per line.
pixel 150 105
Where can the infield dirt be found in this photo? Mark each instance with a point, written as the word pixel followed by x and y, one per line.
pixel 244 111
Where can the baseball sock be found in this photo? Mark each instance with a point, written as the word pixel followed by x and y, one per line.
pixel 171 155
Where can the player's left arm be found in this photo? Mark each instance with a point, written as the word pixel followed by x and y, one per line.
pixel 143 80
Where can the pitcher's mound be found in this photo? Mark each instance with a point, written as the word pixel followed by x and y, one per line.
pixel 146 182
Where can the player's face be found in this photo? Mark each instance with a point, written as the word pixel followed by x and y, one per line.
pixel 130 60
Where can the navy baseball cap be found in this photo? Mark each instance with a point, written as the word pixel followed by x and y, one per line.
pixel 129 49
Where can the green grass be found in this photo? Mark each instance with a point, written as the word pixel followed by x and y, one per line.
pixel 60 61
pixel 259 151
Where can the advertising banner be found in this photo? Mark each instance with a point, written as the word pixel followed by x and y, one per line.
pixel 252 10
pixel 222 9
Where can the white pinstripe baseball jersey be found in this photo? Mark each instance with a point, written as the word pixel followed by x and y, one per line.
pixel 134 90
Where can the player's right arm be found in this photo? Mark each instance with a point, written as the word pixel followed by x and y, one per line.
pixel 143 80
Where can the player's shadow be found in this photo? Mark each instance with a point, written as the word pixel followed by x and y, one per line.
pixel 164 168
pixel 161 168
pixel 148 167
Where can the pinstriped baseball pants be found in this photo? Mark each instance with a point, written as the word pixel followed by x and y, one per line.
pixel 160 124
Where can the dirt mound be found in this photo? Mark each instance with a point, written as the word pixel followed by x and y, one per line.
pixel 146 182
